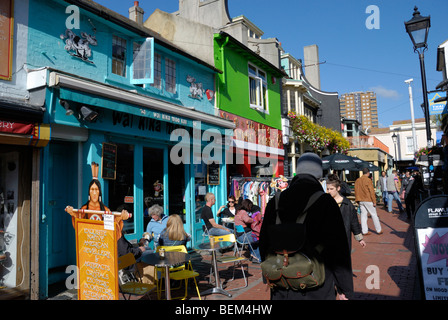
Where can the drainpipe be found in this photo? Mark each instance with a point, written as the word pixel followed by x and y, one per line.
pixel 223 69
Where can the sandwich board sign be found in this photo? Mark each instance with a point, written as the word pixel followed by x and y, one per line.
pixel 431 234
pixel 96 258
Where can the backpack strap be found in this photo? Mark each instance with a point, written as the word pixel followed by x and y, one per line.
pixel 300 218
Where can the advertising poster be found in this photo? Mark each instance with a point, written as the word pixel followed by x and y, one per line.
pixel 433 246
pixel 96 255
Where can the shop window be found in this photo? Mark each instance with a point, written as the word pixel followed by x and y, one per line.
pixel 118 56
pixel 121 190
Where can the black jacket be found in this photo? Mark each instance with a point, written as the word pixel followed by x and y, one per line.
pixel 350 218
pixel 324 226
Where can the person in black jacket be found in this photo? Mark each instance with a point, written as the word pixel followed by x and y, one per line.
pixel 324 227
pixel 348 211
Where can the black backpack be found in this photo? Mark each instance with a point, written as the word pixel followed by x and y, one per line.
pixel 293 264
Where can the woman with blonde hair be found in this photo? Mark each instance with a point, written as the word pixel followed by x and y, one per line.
pixel 174 233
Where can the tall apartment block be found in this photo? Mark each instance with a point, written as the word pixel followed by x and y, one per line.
pixel 361 106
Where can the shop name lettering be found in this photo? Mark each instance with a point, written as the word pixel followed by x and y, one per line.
pixel 127 120
pixel 437 212
pixel 6 124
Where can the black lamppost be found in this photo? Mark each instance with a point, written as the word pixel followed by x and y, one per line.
pixel 394 139
pixel 418 28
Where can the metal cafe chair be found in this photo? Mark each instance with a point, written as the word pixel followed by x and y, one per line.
pixel 235 258
pixel 183 272
pixel 133 284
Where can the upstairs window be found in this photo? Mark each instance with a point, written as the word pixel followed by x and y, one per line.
pixel 157 71
pixel 142 62
pixel 170 75
pixel 119 56
pixel 258 89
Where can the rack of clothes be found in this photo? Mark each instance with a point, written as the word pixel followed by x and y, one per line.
pixel 258 190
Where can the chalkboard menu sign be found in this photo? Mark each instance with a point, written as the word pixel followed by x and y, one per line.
pixel 109 161
pixel 213 174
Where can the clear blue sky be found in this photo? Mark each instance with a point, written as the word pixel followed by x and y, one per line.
pixel 356 58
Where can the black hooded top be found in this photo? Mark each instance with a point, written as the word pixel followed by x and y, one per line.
pixel 324 226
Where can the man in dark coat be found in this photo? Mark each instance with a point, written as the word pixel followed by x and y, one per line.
pixel 324 226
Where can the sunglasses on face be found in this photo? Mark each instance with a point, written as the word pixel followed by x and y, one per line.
pixel 231 201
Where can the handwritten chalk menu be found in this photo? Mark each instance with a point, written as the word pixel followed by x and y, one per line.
pixel 109 161
pixel 96 257
pixel 213 174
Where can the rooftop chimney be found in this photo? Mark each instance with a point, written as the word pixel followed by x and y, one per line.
pixel 136 13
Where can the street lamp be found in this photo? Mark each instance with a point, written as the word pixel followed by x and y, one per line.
pixel 418 28
pixel 395 139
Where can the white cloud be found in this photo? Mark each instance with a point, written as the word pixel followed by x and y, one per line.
pixel 385 93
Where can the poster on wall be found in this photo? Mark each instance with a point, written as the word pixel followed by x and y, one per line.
pixel 96 257
pixel 433 249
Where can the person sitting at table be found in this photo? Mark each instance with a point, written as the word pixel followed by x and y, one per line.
pixel 229 210
pixel 213 228
pixel 174 234
pixel 157 223
pixel 243 219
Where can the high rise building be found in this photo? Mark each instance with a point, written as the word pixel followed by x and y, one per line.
pixel 361 106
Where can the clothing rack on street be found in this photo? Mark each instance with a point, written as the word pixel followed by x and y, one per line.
pixel 256 189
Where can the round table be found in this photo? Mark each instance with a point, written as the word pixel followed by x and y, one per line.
pixel 206 246
pixel 172 259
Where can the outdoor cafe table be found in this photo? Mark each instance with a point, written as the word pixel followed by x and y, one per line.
pixel 206 246
pixel 172 259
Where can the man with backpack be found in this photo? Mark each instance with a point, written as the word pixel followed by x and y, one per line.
pixel 305 222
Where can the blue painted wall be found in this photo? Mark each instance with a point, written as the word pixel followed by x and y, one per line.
pixel 46 49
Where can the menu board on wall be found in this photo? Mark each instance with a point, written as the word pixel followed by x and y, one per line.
pixel 109 161
pixel 96 257
pixel 213 174
pixel 6 39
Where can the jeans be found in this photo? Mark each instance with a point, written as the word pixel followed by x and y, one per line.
pixel 385 196
pixel 218 232
pixel 394 196
pixel 247 237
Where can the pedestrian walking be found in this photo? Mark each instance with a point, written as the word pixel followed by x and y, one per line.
pixel 392 189
pixel 348 211
pixel 324 228
pixel 382 183
pixel 365 196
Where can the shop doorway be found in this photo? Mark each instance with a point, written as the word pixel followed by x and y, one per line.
pixel 61 192
pixel 153 181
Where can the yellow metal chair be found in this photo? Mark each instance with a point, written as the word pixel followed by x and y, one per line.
pixel 134 286
pixel 236 258
pixel 178 273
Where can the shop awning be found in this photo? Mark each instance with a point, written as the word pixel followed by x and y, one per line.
pixel 24 133
pixel 105 96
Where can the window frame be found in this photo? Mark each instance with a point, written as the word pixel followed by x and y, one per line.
pixel 147 48
pixel 114 58
pixel 261 88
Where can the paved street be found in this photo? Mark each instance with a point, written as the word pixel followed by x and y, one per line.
pixel 389 255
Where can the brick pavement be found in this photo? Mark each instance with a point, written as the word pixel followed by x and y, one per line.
pixel 390 256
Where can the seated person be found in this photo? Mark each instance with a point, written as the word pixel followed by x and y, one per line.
pixel 157 223
pixel 214 229
pixel 243 219
pixel 228 211
pixel 174 234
